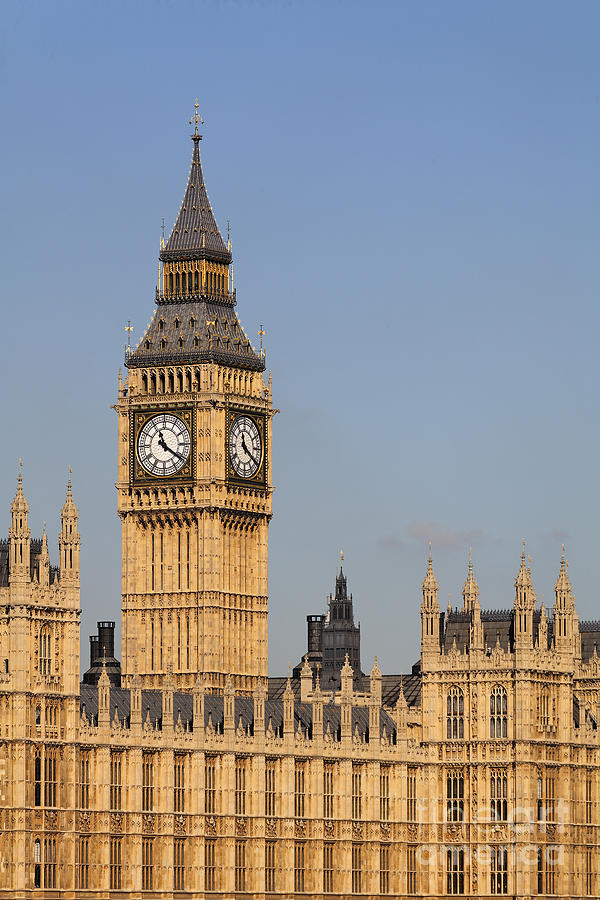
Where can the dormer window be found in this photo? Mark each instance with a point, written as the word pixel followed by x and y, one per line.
pixel 196 341
pixel 177 323
pixel 163 344
pixel 192 322
pixel 180 343
pixel 161 325
pixel 147 345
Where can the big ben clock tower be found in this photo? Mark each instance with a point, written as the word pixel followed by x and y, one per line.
pixel 194 475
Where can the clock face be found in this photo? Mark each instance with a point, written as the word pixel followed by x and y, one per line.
pixel 245 447
pixel 163 445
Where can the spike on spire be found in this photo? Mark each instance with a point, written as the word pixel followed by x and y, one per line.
pixel 471 588
pixel 20 504
pixel 430 581
pixel 195 230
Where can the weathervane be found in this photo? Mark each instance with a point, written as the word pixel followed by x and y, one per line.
pixel 129 329
pixel 196 118
pixel 261 334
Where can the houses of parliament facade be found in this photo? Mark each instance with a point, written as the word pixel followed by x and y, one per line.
pixel 183 770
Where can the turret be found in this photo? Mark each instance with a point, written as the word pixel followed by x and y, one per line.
pixel 524 605
pixel 288 710
pixel 566 622
pixel 44 561
pixel 69 540
pixel 471 605
pixel 20 537
pixel 430 611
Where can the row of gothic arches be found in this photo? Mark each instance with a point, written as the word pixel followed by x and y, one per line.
pixel 184 283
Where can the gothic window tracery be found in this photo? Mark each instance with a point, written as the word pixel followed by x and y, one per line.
pixel 498 712
pixel 45 650
pixel 455 708
pixel 455 796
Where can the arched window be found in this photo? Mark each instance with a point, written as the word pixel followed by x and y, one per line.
pixel 177 283
pixel 144 383
pixel 455 796
pixel 498 712
pixel 37 863
pixel 196 281
pixel 455 709
pixel 37 779
pixel 170 282
pixel 544 708
pixel 38 715
pixel 45 650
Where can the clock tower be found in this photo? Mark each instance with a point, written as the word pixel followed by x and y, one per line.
pixel 194 471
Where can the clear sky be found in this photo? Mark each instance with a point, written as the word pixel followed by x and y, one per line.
pixel 413 192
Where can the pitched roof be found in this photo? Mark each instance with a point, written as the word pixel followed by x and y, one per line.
pixel 195 234
pixel 203 330
pixel 213 711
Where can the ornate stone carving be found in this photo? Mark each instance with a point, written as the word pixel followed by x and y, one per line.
pixel 148 823
pixel 84 821
pixel 116 821
pixel 241 825
pixel 328 827
pixel 357 829
pixel 454 831
pixel 385 829
pixel 180 825
pixel 211 825
pixel 271 828
pixel 413 830
pixel 301 827
pixel 51 818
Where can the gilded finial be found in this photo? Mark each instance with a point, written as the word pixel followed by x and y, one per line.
pixel 470 561
pixel 430 557
pixel 261 334
pixel 128 330
pixel 196 118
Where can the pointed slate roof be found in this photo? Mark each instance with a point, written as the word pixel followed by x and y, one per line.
pixel 195 234
pixel 200 327
pixel 204 330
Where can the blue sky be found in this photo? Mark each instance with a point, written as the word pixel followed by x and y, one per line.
pixel 413 196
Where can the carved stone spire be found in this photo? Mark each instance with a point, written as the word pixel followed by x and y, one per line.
pixel 19 536
pixel 69 541
pixel 524 605
pixel 430 611
pixel 470 589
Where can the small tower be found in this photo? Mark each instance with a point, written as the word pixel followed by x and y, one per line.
pixel 340 636
pixel 430 612
pixel 471 605
pixel 44 561
pixel 524 606
pixel 69 541
pixel 566 622
pixel 20 538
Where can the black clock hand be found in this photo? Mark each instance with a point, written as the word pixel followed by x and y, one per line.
pixel 247 451
pixel 165 446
